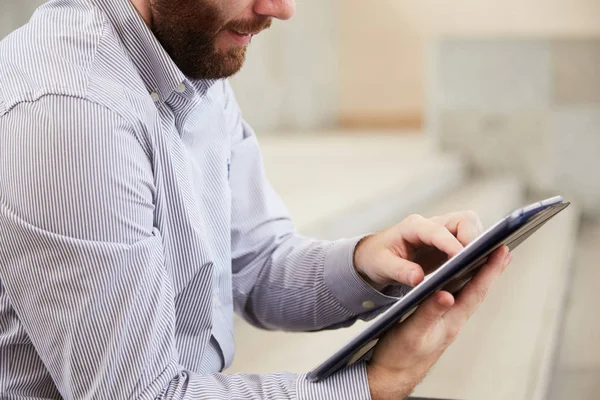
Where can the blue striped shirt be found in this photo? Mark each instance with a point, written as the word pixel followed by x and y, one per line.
pixel 135 217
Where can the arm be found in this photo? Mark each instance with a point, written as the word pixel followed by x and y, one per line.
pixel 81 264
pixel 282 280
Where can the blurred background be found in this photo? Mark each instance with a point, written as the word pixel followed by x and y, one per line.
pixel 368 111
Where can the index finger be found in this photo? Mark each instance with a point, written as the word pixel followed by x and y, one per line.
pixel 465 225
pixel 417 231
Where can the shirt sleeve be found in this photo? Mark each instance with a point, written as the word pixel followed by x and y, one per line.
pixel 83 266
pixel 281 279
pixel 348 384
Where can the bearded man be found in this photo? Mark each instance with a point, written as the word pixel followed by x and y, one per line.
pixel 135 219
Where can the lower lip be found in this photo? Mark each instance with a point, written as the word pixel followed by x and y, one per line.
pixel 242 40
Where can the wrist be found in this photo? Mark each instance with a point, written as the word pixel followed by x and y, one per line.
pixel 385 384
pixel 360 263
pixel 358 255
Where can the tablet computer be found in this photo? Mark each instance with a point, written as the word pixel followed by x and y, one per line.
pixel 512 230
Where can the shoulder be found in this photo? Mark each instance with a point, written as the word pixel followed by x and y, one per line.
pixel 51 54
pixel 64 52
pixel 67 164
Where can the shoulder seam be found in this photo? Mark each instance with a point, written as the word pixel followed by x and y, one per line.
pixel 2 105
pixel 6 105
pixel 61 95
pixel 128 124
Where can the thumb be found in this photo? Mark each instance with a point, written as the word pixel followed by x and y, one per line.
pixel 397 269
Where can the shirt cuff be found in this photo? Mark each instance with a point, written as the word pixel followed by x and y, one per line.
pixel 344 282
pixel 350 383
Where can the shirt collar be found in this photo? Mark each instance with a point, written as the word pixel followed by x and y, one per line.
pixel 156 68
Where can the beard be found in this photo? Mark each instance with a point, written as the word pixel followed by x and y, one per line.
pixel 188 30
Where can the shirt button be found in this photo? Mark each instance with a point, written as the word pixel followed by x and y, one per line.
pixel 368 304
pixel 181 88
pixel 155 97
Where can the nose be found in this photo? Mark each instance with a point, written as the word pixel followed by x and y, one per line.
pixel 280 9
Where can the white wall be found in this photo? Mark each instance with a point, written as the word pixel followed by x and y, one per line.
pixel 384 48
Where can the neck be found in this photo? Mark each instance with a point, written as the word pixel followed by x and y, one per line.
pixel 143 8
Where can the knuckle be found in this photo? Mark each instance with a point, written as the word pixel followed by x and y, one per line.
pixel 472 215
pixel 414 218
pixel 452 332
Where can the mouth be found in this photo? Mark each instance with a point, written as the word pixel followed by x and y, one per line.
pixel 241 38
pixel 244 33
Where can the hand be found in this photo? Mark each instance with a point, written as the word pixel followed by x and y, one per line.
pixel 406 252
pixel 407 352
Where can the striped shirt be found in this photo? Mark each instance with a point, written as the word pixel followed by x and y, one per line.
pixel 135 217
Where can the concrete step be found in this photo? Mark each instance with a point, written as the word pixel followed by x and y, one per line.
pixel 263 352
pixel 508 348
pixel 343 185
pixel 578 363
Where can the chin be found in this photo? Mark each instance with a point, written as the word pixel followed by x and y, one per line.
pixel 216 67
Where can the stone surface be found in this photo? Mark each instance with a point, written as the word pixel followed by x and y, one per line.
pixel 579 385
pixel 575 154
pixel 493 75
pixel 514 142
pixel 578 364
pixel 579 349
pixel 576 74
pixel 326 177
pixel 531 107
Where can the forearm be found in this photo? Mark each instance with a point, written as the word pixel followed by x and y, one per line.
pixel 302 284
pixel 349 384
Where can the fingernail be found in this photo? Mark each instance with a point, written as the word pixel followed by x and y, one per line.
pixel 507 259
pixel 411 278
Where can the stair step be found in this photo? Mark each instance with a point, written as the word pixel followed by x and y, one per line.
pixel 263 352
pixel 491 198
pixel 507 350
pixel 578 363
pixel 339 186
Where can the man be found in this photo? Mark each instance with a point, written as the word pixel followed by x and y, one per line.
pixel 135 217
